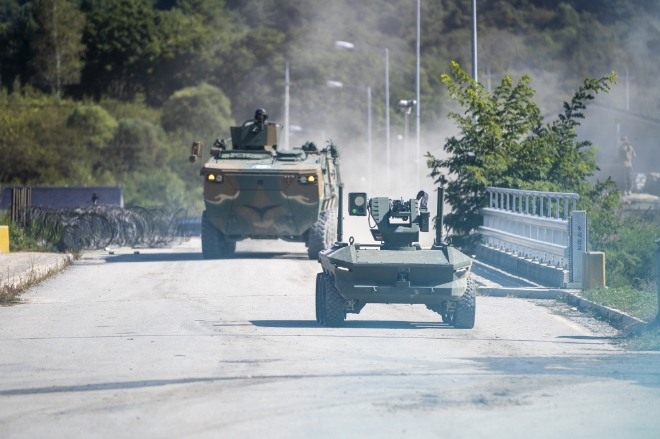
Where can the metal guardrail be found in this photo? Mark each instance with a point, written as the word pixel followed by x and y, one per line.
pixel 543 204
pixel 536 225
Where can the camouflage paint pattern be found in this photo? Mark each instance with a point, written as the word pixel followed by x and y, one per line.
pixel 268 194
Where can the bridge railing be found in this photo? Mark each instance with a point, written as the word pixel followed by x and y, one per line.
pixel 544 227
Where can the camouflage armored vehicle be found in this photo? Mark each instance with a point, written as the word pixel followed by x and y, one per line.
pixel 254 190
pixel 395 270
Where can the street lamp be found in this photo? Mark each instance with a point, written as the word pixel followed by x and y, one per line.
pixel 385 52
pixel 337 84
pixel 406 107
pixel 474 41
pixel 417 98
pixel 299 129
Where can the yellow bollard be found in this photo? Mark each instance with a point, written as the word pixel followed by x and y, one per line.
pixel 4 239
pixel 593 270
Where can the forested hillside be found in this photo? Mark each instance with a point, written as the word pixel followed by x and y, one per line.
pixel 114 91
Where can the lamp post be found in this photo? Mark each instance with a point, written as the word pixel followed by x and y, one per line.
pixel 298 129
pixel 337 84
pixel 474 40
pixel 287 84
pixel 385 52
pixel 417 109
pixel 406 107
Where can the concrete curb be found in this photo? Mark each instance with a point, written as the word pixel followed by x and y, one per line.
pixel 614 317
pixel 24 270
pixel 524 293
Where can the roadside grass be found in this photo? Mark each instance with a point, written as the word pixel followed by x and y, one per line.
pixel 637 302
pixel 11 289
pixel 647 340
pixel 9 294
pixel 640 303
pixel 20 241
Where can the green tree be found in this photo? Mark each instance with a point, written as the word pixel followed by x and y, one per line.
pixel 93 123
pixel 58 43
pixel 16 48
pixel 121 39
pixel 137 146
pixel 503 142
pixel 202 112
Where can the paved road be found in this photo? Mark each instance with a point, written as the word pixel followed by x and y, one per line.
pixel 164 344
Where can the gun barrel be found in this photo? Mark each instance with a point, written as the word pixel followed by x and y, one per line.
pixel 340 214
pixel 439 221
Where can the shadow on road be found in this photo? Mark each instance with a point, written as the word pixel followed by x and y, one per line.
pixel 359 324
pixel 588 337
pixel 197 256
pixel 643 369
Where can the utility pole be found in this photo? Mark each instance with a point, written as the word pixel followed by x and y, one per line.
pixel 628 78
pixel 287 84
pixel 369 146
pixel 474 40
pixel 418 159
pixel 387 118
pixel 488 77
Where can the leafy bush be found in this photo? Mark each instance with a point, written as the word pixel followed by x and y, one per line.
pixel 201 112
pixel 137 145
pixel 504 143
pixel 629 252
pixel 22 241
pixel 155 188
pixel 93 122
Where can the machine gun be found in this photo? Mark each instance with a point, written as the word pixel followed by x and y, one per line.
pixel 397 222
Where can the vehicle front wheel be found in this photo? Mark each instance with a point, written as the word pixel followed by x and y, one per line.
pixel 466 308
pixel 333 311
pixel 319 297
pixel 322 234
pixel 214 245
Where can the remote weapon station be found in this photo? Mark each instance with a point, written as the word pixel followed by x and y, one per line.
pixel 397 270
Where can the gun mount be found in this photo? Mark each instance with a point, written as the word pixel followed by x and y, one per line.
pixel 397 222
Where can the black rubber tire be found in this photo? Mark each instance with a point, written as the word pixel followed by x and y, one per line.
pixel 334 306
pixel 322 234
pixel 319 300
pixel 214 245
pixel 229 248
pixel 466 308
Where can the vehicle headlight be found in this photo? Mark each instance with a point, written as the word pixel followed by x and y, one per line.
pixel 307 179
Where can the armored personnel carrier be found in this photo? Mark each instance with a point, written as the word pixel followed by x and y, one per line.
pixel 395 270
pixel 253 189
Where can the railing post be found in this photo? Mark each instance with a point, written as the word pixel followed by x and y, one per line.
pixel 578 245
pixel 527 204
pixel 657 279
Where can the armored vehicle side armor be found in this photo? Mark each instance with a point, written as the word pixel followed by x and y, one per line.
pixel 254 190
pixel 396 270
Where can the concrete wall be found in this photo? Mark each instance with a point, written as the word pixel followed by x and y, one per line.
pixel 527 268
